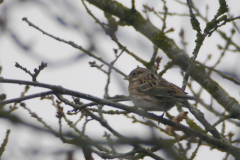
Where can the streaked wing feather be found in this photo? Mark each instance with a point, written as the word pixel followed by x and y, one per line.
pixel 147 83
pixel 165 89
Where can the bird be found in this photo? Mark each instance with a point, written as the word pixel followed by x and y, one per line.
pixel 150 92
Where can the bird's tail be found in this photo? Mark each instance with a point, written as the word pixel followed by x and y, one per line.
pixel 185 97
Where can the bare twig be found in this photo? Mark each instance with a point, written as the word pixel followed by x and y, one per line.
pixel 225 21
pixel 221 74
pixel 4 144
pixel 183 42
pixel 153 59
pixel 200 39
pixel 93 64
pixel 110 70
pixel 110 112
pixel 34 115
pixel 37 71
pixel 166 67
pixel 110 141
pixel 164 15
pixel 18 100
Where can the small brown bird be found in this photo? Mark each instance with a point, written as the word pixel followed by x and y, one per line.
pixel 151 92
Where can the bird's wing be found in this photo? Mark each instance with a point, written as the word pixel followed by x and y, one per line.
pixel 147 82
pixel 156 86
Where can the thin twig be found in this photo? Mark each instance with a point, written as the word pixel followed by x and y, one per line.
pixel 110 70
pixel 37 71
pixel 200 39
pixel 153 58
pixel 4 144
pixel 225 21
pixel 18 100
pixel 221 74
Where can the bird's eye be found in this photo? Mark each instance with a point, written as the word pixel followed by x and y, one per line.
pixel 134 74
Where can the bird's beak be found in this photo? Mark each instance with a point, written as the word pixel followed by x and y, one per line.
pixel 126 78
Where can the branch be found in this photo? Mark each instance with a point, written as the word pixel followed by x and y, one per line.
pixel 200 117
pixel 110 70
pixel 4 144
pixel 37 71
pixel 18 100
pixel 199 41
pixel 221 74
pixel 225 21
